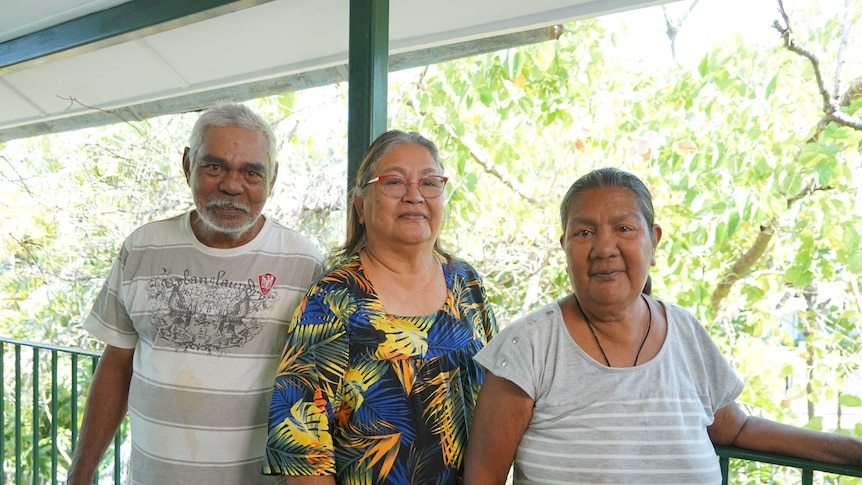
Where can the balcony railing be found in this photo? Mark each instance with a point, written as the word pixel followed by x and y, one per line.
pixel 44 390
pixel 806 467
pixel 43 397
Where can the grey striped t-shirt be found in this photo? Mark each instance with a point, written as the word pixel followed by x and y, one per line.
pixel 595 424
pixel 208 326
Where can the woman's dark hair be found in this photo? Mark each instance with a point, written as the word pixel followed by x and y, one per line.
pixel 356 236
pixel 610 177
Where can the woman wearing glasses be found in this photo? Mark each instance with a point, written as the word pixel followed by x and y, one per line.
pixel 377 382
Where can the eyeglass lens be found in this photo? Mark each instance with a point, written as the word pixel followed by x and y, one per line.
pixel 396 186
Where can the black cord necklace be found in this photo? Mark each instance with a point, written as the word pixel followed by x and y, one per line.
pixel 590 326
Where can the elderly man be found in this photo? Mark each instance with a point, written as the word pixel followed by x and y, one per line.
pixel 193 314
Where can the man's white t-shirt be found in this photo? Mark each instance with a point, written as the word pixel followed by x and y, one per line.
pixel 207 326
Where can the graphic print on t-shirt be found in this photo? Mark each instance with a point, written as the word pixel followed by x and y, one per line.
pixel 207 313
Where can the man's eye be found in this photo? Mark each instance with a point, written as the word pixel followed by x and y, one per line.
pixel 252 173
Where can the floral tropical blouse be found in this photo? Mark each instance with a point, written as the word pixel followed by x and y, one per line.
pixel 377 398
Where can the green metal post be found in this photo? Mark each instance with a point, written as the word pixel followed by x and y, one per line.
pixel 74 401
pixel 368 66
pixel 92 375
pixel 3 410
pixel 19 470
pixel 117 460
pixel 55 409
pixel 36 417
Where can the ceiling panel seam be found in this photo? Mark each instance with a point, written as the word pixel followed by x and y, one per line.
pixel 163 62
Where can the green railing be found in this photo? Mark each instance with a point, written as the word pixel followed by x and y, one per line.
pixel 806 467
pixel 43 392
pixel 43 397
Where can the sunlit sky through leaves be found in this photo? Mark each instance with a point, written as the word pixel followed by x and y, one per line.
pixel 710 23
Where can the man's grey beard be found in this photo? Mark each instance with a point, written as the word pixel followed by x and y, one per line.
pixel 234 232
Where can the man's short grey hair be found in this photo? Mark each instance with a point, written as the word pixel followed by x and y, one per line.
pixel 233 115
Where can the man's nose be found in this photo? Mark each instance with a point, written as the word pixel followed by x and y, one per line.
pixel 231 182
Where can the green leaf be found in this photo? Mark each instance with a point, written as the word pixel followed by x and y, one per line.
pixel 517 64
pixel 854 262
pixel 809 155
pixel 770 88
pixel 850 400
pixel 828 169
pixel 790 182
pixel 703 67
pixel 732 224
pixel 798 276
pixel 816 424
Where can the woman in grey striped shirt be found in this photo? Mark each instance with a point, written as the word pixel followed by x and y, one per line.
pixel 609 385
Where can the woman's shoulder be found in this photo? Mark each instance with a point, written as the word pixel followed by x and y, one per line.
pixel 345 271
pixel 683 320
pixel 537 321
pixel 458 266
pixel 452 261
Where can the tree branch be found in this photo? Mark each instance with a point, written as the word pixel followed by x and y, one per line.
pixel 831 105
pixel 673 26
pixel 488 165
pixel 744 264
pixel 832 112
pixel 842 48
pixel 787 35
pixel 20 180
pixel 809 189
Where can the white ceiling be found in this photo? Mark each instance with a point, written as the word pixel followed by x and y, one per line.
pixel 260 47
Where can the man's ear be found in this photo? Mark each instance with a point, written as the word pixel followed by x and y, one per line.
pixel 187 165
pixel 274 176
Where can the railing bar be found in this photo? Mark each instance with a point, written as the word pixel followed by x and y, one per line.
pixel 55 408
pixel 24 343
pixel 36 417
pixel 787 461
pixel 117 455
pixel 807 476
pixel 74 400
pixel 3 413
pixel 725 453
pixel 19 473
pixel 94 364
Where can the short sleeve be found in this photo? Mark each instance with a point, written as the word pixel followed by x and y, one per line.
pixel 718 381
pixel 109 320
pixel 511 356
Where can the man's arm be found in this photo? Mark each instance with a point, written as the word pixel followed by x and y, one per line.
pixel 106 407
pixel 503 411
pixel 732 426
